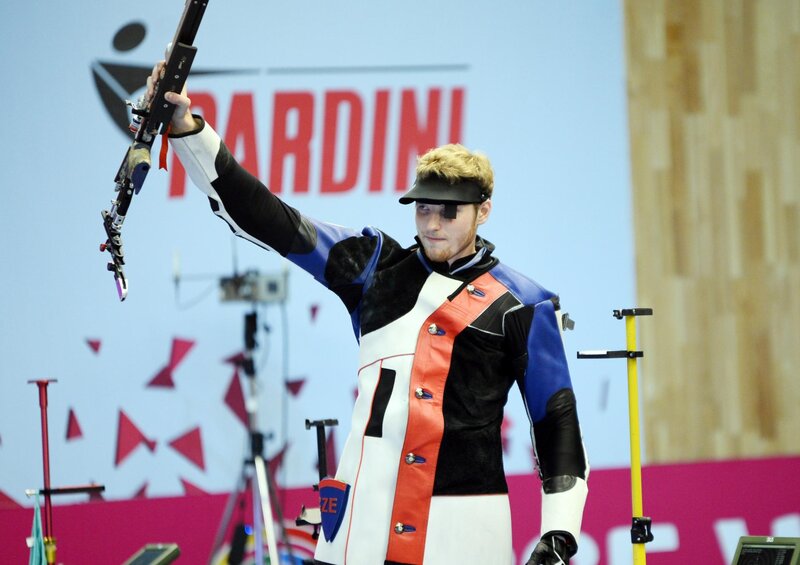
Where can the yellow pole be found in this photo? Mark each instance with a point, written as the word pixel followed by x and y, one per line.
pixel 633 413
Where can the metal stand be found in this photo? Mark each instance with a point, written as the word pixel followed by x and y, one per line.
pixel 312 516
pixel 47 491
pixel 640 525
pixel 259 480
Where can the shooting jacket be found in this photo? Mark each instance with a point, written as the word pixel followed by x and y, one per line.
pixel 420 479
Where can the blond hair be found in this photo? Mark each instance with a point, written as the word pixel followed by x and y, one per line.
pixel 454 163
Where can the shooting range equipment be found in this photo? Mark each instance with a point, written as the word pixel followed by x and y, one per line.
pixel 641 525
pixel 155 554
pixel 313 516
pixel 259 480
pixel 47 491
pixel 761 550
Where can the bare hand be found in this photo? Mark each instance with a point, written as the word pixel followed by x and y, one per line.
pixel 182 120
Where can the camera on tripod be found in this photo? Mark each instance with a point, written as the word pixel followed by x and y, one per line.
pixel 253 286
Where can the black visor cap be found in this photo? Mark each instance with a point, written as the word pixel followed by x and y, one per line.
pixel 439 190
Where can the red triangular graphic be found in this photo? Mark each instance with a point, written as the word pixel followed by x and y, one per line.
pixel 142 492
pixel 180 348
pixel 94 344
pixel 128 438
pixel 190 445
pixel 163 379
pixel 314 310
pixel 235 359
pixel 73 427
pixel 234 398
pixel 277 460
pixel 294 386
pixel 8 503
pixel 191 489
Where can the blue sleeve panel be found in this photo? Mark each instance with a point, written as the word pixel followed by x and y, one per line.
pixel 546 371
pixel 345 271
pixel 545 382
pixel 315 261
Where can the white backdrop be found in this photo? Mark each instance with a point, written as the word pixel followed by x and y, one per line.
pixel 544 98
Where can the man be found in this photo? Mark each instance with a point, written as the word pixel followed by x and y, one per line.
pixel 445 331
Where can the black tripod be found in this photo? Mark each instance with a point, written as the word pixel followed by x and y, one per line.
pixel 254 476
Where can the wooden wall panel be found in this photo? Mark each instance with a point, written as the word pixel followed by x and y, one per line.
pixel 714 113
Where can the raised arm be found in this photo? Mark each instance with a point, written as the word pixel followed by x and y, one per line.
pixel 341 258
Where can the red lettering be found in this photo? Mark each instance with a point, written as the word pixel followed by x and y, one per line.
pixel 241 132
pixel 301 106
pixel 332 505
pixel 202 103
pixel 417 119
pixel 335 101
pixel 379 140
pixel 416 136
